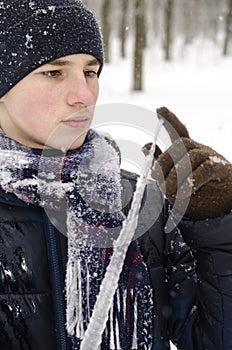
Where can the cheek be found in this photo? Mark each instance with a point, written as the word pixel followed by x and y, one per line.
pixel 37 106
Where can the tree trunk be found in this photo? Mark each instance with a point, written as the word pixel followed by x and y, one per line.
pixel 228 29
pixel 139 44
pixel 168 19
pixel 124 27
pixel 106 28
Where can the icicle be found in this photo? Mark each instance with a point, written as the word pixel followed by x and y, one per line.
pixel 93 334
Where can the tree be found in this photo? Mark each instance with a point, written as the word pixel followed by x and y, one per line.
pixel 168 26
pixel 124 26
pixel 106 27
pixel 140 39
pixel 228 28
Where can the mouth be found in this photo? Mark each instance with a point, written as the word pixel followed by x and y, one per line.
pixel 77 122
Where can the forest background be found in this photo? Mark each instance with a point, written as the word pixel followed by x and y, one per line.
pixel 176 53
pixel 171 26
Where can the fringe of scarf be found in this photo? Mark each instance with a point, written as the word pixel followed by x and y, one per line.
pixel 86 183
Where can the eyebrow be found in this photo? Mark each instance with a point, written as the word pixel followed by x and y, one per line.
pixel 62 62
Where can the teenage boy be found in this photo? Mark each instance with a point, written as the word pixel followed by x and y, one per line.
pixel 51 56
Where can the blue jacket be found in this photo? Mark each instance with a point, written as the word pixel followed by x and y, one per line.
pixel 192 282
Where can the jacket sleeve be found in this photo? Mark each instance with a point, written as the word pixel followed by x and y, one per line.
pixel 172 271
pixel 191 275
pixel 180 310
pixel 207 308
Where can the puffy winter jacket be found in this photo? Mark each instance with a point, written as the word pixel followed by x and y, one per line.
pixel 193 311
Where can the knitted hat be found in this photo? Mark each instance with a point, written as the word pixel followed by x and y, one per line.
pixel 34 32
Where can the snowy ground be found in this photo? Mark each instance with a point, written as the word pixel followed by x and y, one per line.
pixel 197 87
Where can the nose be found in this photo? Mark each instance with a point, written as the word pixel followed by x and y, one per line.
pixel 80 92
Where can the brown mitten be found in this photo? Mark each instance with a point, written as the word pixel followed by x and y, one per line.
pixel 195 178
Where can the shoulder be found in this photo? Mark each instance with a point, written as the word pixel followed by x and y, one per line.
pixel 128 176
pixel 151 215
pixel 152 191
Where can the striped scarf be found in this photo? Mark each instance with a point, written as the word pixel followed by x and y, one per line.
pixel 86 184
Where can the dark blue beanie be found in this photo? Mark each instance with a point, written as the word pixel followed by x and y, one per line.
pixel 34 32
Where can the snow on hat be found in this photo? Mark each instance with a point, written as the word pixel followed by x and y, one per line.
pixel 33 33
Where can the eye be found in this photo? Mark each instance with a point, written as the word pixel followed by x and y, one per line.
pixel 52 73
pixel 91 73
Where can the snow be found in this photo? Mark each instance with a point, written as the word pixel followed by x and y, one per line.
pixel 216 159
pixel 196 86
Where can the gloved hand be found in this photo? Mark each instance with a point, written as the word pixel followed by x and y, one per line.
pixel 193 176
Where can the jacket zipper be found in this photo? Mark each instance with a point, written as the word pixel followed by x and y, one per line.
pixel 57 285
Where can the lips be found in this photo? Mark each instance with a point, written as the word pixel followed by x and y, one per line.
pixel 77 122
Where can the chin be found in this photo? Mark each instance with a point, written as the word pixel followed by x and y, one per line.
pixel 65 141
pixel 77 143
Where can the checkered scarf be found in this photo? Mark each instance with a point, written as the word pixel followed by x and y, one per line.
pixel 86 184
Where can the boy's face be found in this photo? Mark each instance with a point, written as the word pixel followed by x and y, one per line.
pixel 49 107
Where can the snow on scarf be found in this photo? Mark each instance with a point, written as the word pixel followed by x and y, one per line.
pixel 86 183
